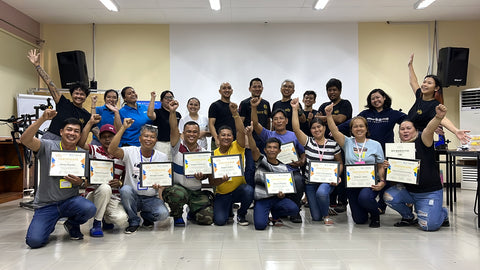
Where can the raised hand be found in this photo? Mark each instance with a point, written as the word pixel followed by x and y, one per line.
pixel 255 101
pixel 111 107
pixel 153 94
pixel 95 118
pixel 441 111
pixel 34 57
pixel 127 122
pixel 94 100
pixel 410 59
pixel 49 114
pixel 329 109
pixel 294 103
pixel 233 108
pixel 173 105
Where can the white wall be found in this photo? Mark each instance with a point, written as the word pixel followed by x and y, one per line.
pixel 204 56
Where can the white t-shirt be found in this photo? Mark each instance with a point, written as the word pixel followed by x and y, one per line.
pixel 202 121
pixel 132 159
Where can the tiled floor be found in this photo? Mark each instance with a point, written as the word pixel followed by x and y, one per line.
pixel 310 245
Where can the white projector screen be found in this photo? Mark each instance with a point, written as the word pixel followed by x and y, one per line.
pixel 205 55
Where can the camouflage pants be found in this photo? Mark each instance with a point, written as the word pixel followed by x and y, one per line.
pixel 199 202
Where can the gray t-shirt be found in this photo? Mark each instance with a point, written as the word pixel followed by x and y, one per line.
pixel 49 190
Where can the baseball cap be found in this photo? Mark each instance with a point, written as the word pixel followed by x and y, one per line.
pixel 109 128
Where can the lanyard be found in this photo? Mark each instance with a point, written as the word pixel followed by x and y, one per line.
pixel 141 156
pixel 361 151
pixel 320 157
pixel 61 148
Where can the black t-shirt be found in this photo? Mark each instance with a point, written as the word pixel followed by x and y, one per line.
pixel 161 121
pixel 343 107
pixel 263 112
pixel 221 112
pixel 422 111
pixel 285 105
pixel 428 175
pixel 65 109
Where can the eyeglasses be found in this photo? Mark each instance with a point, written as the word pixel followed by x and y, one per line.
pixel 151 126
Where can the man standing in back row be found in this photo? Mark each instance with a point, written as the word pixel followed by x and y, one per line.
pixel 219 114
pixel 342 111
pixel 287 89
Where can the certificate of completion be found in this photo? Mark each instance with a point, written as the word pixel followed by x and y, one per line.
pixel 63 163
pixel 197 162
pixel 400 150
pixel 323 172
pixel 361 175
pixel 159 173
pixel 403 170
pixel 288 153
pixel 277 182
pixel 230 165
pixel 101 171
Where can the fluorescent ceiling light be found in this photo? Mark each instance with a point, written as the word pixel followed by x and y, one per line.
pixel 110 5
pixel 320 4
pixel 421 4
pixel 215 4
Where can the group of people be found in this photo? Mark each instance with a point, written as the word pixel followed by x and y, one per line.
pixel 136 134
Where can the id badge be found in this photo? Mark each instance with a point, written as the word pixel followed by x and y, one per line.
pixel 360 162
pixel 65 184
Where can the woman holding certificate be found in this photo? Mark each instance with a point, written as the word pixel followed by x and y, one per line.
pixel 228 176
pixel 365 158
pixel 318 149
pixel 427 196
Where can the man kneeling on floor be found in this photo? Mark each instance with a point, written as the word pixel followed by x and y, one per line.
pixel 265 203
pixel 56 196
pixel 135 198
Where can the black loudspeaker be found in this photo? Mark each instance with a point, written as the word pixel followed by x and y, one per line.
pixel 72 68
pixel 452 66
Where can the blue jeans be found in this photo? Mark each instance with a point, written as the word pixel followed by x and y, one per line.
pixel 151 208
pixel 318 196
pixel 279 207
pixel 362 202
pixel 222 204
pixel 77 209
pixel 428 206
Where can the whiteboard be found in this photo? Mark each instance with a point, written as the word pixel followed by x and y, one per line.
pixel 26 104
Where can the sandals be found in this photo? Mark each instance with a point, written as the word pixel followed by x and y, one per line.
pixel 275 222
pixel 328 221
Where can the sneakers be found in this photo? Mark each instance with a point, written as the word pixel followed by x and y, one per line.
pixel 73 230
pixel 296 219
pixel 331 211
pixel 178 222
pixel 406 222
pixel 131 229
pixel 147 223
pixel 242 221
pixel 96 230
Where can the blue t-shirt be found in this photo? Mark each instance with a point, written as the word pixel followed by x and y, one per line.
pixel 131 135
pixel 284 138
pixel 369 152
pixel 380 124
pixel 107 115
